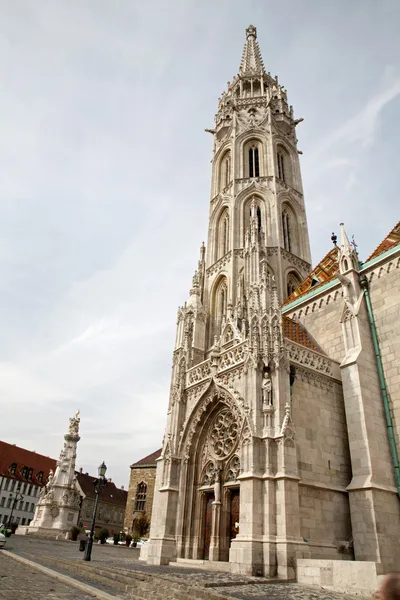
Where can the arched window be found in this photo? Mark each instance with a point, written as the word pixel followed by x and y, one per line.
pixel 259 218
pixel 141 493
pixel 254 161
pixel 259 213
pixel 283 164
pixel 219 308
pixel 223 235
pixel 286 230
pixel 225 171
pixel 293 283
pixel 222 301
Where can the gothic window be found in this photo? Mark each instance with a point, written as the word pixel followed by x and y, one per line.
pixel 12 469
pixel 293 283
pixel 141 493
pixel 225 171
pixel 223 235
pixel 286 230
pixel 39 477
pixel 219 308
pixel 281 166
pixel 259 217
pixel 254 161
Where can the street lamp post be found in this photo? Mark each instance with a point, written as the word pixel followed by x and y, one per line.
pixel 98 484
pixel 18 496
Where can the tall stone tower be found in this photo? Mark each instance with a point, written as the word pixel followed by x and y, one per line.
pixel 58 507
pixel 229 429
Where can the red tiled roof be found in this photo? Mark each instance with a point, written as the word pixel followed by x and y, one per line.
pixel 11 454
pixel 323 272
pixel 148 461
pixel 296 332
pixel 389 242
pixel 109 493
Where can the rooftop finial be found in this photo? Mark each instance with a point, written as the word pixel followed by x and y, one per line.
pixel 251 31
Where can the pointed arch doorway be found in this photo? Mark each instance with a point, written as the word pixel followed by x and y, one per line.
pixel 209 516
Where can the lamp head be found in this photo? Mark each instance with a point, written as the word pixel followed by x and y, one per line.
pixel 102 470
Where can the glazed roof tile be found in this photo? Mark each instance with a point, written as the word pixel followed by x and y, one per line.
pixel 148 461
pixel 20 457
pixel 391 240
pixel 325 271
pixel 296 332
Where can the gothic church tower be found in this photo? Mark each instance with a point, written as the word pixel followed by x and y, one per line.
pixel 227 476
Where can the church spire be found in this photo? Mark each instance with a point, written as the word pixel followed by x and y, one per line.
pixel 252 62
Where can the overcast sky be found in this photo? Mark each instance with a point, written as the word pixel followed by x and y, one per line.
pixel 105 177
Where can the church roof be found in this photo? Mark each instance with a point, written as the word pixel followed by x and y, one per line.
pixel 148 461
pixel 391 240
pixel 109 493
pixel 13 459
pixel 252 61
pixel 296 332
pixel 323 272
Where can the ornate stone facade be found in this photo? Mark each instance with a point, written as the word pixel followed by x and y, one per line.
pixel 266 427
pixel 58 506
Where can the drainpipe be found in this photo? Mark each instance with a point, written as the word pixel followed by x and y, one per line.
pixel 382 382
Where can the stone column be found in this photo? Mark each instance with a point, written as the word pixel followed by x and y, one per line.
pixel 246 552
pixel 161 548
pixel 215 530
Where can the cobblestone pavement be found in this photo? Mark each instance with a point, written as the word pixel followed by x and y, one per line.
pixel 20 582
pixel 65 557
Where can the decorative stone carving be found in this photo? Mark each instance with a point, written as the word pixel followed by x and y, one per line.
pixel 233 469
pixel 60 496
pixel 217 266
pixel 198 373
pixel 309 358
pixel 224 434
pixel 233 356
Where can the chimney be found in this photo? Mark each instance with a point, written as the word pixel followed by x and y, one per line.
pixel 86 473
pixel 109 480
pixel 81 470
pixel 122 487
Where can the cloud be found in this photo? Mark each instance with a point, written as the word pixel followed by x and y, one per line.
pixel 105 184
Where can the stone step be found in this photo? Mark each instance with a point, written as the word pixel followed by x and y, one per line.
pixel 207 565
pixel 138 585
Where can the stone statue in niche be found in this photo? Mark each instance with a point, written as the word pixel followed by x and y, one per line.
pixel 217 486
pixel 267 389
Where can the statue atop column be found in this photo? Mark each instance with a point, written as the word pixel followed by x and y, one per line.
pixel 58 507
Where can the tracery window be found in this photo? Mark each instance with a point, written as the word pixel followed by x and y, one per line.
pixel 12 469
pixel 293 283
pixel 141 493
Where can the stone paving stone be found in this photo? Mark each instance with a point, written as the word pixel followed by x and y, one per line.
pixel 20 582
pixel 48 552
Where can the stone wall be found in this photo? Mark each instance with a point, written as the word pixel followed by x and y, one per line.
pixel 323 463
pixel 138 475
pixel 385 299
pixel 321 317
